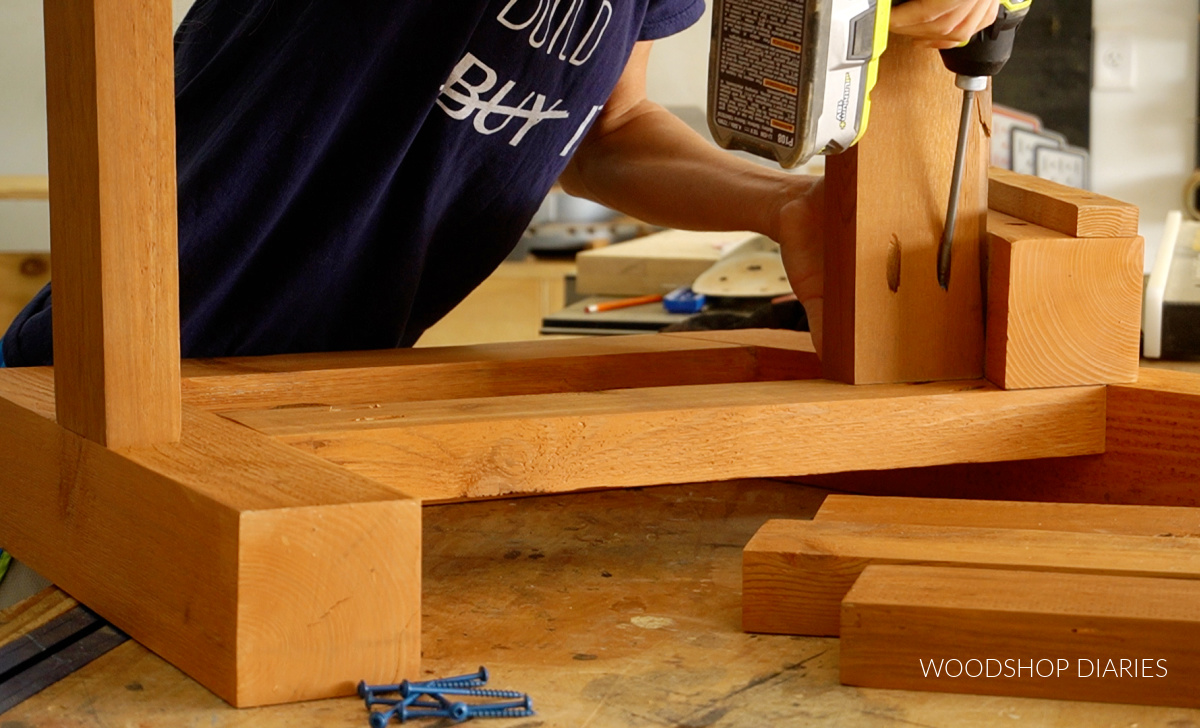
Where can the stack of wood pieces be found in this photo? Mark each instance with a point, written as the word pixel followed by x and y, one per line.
pixel 1049 600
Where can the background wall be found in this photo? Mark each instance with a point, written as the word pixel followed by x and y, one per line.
pixel 1142 140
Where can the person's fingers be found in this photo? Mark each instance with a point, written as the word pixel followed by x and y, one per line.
pixel 945 22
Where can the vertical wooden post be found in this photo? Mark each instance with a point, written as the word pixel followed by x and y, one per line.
pixel 111 107
pixel 886 317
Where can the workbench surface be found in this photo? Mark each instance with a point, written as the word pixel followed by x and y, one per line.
pixel 616 608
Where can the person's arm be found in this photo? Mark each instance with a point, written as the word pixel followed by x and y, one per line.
pixel 641 159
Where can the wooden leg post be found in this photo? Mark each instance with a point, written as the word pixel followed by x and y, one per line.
pixel 110 101
pixel 886 317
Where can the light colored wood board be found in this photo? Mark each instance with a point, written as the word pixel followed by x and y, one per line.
pixel 568 602
pixel 655 361
pixel 1061 311
pixel 199 538
pixel 508 306
pixel 1062 636
pixel 1081 517
pixel 657 263
pixel 1068 210
pixel 21 276
pixel 33 612
pixel 795 573
pixel 888 194
pixel 24 187
pixel 546 443
pixel 1152 457
pixel 110 101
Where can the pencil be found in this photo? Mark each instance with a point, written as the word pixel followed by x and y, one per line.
pixel 622 303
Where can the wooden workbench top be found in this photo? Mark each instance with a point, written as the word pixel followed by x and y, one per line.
pixel 610 609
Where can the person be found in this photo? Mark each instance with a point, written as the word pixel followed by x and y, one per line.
pixel 347 175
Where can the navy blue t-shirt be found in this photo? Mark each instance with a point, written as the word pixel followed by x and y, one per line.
pixel 349 172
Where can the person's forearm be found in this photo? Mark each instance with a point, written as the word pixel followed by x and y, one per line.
pixel 655 167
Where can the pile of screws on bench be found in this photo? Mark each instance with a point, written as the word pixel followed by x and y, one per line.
pixel 444 698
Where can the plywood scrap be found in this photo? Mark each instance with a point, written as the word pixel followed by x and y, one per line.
pixel 795 573
pixel 1061 311
pixel 1070 211
pixel 557 442
pixel 1104 638
pixel 1076 517
pixel 266 574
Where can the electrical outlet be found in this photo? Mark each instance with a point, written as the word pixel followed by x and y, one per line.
pixel 1115 62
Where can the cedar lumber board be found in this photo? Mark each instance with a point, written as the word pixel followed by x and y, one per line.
pixel 488 447
pixel 1101 638
pixel 1061 311
pixel 795 573
pixel 110 102
pixel 886 204
pixel 1070 211
pixel 585 364
pixel 256 569
pixel 1151 457
pixel 1080 517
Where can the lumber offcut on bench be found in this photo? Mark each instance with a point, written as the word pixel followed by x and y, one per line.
pixel 1045 635
pixel 795 573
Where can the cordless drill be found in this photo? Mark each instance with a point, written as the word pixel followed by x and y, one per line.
pixel 973 63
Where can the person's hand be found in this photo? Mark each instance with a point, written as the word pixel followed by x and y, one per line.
pixel 800 232
pixel 943 23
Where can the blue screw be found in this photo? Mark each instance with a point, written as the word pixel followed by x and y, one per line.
pixel 479 678
pixel 407 689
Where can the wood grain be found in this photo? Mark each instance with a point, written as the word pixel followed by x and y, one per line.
pixel 110 100
pixel 890 192
pixel 251 566
pixel 1062 311
pixel 568 602
pixel 1112 639
pixel 472 448
pixel 1152 457
pixel 24 187
pixel 21 276
pixel 795 573
pixel 1080 517
pixel 1073 212
pixel 585 364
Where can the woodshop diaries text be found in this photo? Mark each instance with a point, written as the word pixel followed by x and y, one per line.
pixel 1045 667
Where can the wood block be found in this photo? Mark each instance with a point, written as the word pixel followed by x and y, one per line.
pixel 1061 311
pixel 110 102
pixel 1079 517
pixel 795 573
pixel 564 365
pixel 886 317
pixel 1112 639
pixel 657 263
pixel 472 448
pixel 1073 212
pixel 264 573
pixel 24 187
pixel 1152 457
